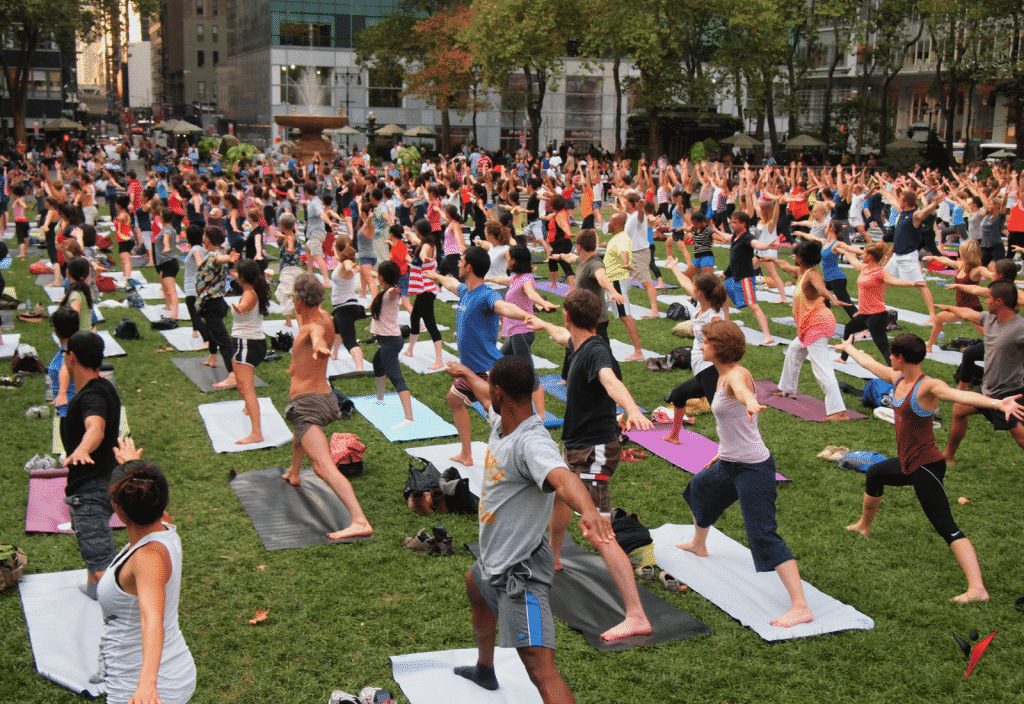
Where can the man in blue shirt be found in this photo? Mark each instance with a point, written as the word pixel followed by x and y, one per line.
pixel 477 325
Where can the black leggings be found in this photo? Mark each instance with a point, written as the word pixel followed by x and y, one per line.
pixel 51 243
pixel 876 323
pixel 701 385
pixel 968 372
pixel 561 245
pixel 213 311
pixel 991 254
pixel 197 321
pixel 654 267
pixel 344 317
pixel 385 361
pixel 423 307
pixel 927 483
pixel 838 289
pixel 451 265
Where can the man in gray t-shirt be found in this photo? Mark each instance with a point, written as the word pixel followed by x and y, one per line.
pixel 1004 362
pixel 508 586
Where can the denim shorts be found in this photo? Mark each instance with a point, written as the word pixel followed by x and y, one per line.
pixel 90 517
pixel 372 261
pixel 403 285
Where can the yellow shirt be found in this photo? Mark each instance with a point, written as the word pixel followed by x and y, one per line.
pixel 619 249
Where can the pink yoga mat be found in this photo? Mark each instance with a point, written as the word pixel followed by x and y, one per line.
pixel 46 507
pixel 560 289
pixel 692 454
pixel 803 406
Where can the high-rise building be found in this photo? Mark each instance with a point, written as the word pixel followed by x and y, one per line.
pixel 188 41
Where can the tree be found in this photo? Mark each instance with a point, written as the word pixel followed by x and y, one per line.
pixel 1010 62
pixel 24 25
pixel 842 15
pixel 605 35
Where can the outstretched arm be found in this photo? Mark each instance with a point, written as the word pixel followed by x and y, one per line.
pixel 968 315
pixel 635 419
pixel 867 361
pixel 557 333
pixel 481 389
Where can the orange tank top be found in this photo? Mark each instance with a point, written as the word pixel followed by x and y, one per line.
pixel 871 290
pixel 123 231
pixel 814 320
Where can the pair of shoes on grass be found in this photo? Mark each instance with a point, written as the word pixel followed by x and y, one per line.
pixel 647 573
pixel 440 543
pixel 44 462
pixel 833 453
pixel 427 502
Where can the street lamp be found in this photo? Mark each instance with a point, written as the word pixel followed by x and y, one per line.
pixel 348 76
pixel 371 127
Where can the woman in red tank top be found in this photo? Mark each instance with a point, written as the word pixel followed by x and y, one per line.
pixel 969 271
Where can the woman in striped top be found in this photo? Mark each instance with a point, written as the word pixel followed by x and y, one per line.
pixel 454 241
pixel 424 259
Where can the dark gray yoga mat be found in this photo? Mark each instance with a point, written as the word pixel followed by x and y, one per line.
pixel 287 516
pixel 204 377
pixel 584 597
pixel 7 319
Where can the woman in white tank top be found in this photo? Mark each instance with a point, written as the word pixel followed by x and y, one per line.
pixel 156 661
pixel 743 470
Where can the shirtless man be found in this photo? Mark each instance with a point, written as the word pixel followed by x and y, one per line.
pixel 312 404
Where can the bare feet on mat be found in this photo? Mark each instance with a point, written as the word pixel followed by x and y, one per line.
pixel 699 551
pixel 466 460
pixel 841 415
pixel 971 595
pixel 436 365
pixel 793 617
pixel 211 362
pixel 628 627
pixel 356 530
pixel 635 357
pixel 866 532
pixel 650 316
pixel 250 439
pixel 768 341
pixel 228 383
pixel 558 564
pixel 291 478
pixel 672 439
pixel 783 394
pixel 334 354
pixel 408 352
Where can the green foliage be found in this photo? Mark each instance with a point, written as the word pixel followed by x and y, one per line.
pixel 226 143
pixel 206 146
pixel 698 152
pixel 239 151
pixel 410 158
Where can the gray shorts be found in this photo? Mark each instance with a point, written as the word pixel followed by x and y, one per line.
pixel 308 410
pixel 519 598
pixel 315 238
pixel 642 265
pixel 91 510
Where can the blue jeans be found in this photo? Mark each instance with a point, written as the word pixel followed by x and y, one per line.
pixel 90 517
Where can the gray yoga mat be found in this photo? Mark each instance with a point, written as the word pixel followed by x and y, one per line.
pixel 7 319
pixel 584 597
pixel 286 516
pixel 204 377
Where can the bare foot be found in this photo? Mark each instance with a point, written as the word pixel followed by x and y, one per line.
pixel 650 316
pixel 768 341
pixel 291 478
pixel 784 394
pixel 211 363
pixel 195 333
pixel 672 439
pixel 635 357
pixel 839 360
pixel 866 532
pixel 250 439
pixel 558 565
pixel 408 352
pixel 842 415
pixel 971 595
pixel 628 627
pixel 698 550
pixel 436 365
pixel 287 323
pixel 793 617
pixel 334 354
pixel 466 460
pixel 927 349
pixel 228 383
pixel 356 530
pixel 204 346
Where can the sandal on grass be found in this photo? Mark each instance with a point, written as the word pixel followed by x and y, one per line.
pixel 670 583
pixel 645 572
pixel 827 453
pixel 839 453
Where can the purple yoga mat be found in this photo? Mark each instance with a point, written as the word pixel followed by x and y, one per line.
pixel 561 289
pixel 692 454
pixel 803 406
pixel 46 507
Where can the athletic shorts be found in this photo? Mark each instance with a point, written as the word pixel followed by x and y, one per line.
pixel 998 418
pixel 519 598
pixel 624 309
pixel 168 269
pixel 461 388
pixel 595 465
pixel 906 267
pixel 126 246
pixel 251 352
pixel 21 230
pixel 315 242
pixel 679 236
pixel 748 288
pixel 707 260
pixel 308 410
pixel 371 261
pixel 642 265
pixel 403 285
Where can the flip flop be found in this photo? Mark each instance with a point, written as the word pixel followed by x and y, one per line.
pixel 840 453
pixel 826 454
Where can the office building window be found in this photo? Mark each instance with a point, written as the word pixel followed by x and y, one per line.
pixel 216 58
pixel 305 34
pixel 201 90
pixel 214 9
pixel 200 32
pixel 215 32
pixel 385 90
pixel 200 7
pixel 583 106
pixel 200 59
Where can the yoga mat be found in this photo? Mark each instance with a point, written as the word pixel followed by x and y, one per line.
pixel 151 291
pixel 791 322
pixel 7 319
pixel 538 362
pixel 665 287
pixel 111 347
pixel 692 454
pixel 620 350
pixel 755 338
pixel 560 289
pixel 389 412
pixel 64 628
pixel 424 356
pixel 851 368
pixel 584 597
pixel 726 578
pixel 123 429
pixel 52 308
pixel 153 313
pixel 427 678
pixel 803 406
pixel 9 345
pixel 205 377
pixel 118 276
pixel 181 339
pixel 912 317
pixel 226 422
pixel 44 279
pixel 889 416
pixel 440 456
pixel 287 516
pixel 550 420
pixel 46 511
pixel 345 366
pixel 444 295
pixel 945 356
pixel 54 293
pixel 5 263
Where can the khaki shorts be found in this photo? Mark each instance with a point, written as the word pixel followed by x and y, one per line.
pixel 308 410
pixel 642 265
pixel 595 466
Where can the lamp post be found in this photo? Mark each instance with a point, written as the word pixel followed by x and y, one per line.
pixel 371 127
pixel 348 76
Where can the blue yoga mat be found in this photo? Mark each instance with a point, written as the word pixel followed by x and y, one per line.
pixel 552 387
pixel 383 416
pixel 6 262
pixel 550 420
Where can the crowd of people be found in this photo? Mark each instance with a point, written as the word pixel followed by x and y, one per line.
pixel 383 239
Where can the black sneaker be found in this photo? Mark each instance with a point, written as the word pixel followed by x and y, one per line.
pixel 444 542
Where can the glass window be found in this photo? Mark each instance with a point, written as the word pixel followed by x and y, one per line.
pixel 201 90
pixel 199 32
pixel 304 34
pixel 200 59
pixel 214 32
pixel 214 9
pixel 583 104
pixel 200 7
pixel 385 90
pixel 306 85
pixel 216 58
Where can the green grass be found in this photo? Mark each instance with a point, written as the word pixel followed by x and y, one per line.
pixel 338 612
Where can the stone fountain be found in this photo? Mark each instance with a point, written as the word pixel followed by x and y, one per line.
pixel 310 126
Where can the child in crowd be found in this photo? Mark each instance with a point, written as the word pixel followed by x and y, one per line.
pixel 400 256
pixel 65 323
pixel 166 260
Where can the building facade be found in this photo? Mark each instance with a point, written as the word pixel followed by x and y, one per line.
pixel 188 43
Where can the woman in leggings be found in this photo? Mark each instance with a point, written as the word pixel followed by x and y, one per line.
pixel 872 283
pixel 345 307
pixel 384 326
pixel 559 240
pixel 424 259
pixel 920 462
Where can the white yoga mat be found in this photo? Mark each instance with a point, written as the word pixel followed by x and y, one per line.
pixel 851 368
pixel 181 339
pixel 440 456
pixel 9 345
pixel 51 309
pixel 424 356
pixel 727 579
pixel 226 422
pixel 151 291
pixel 444 294
pixel 620 350
pixel 272 327
pixel 154 312
pixel 344 364
pixel 538 362
pixel 384 414
pixel 64 628
pixel 118 276
pixel 55 293
pixel 945 356
pixel 427 678
pixel 755 338
pixel 111 348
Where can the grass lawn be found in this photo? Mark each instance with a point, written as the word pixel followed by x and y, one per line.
pixel 337 612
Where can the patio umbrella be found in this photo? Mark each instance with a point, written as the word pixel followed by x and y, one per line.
pixel 804 141
pixel 420 131
pixel 1001 154
pixel 178 127
pixel 63 124
pixel 741 141
pixel 342 131
pixel 390 131
pixel 904 143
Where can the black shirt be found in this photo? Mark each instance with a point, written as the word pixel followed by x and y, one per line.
pixel 97 398
pixel 741 256
pixel 532 208
pixel 590 411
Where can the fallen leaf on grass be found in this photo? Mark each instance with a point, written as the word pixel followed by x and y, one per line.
pixel 260 615
pixel 261 567
pixel 224 557
pixel 964 500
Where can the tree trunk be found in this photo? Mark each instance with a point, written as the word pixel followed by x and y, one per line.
pixel 653 132
pixel 17 79
pixel 883 109
pixel 826 114
pixel 446 131
pixel 533 107
pixel 769 112
pixel 616 78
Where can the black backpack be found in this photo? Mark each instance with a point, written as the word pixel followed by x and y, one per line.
pixel 677 311
pixel 422 479
pixel 282 341
pixel 127 330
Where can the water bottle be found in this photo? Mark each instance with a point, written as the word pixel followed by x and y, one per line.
pixel 942 336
